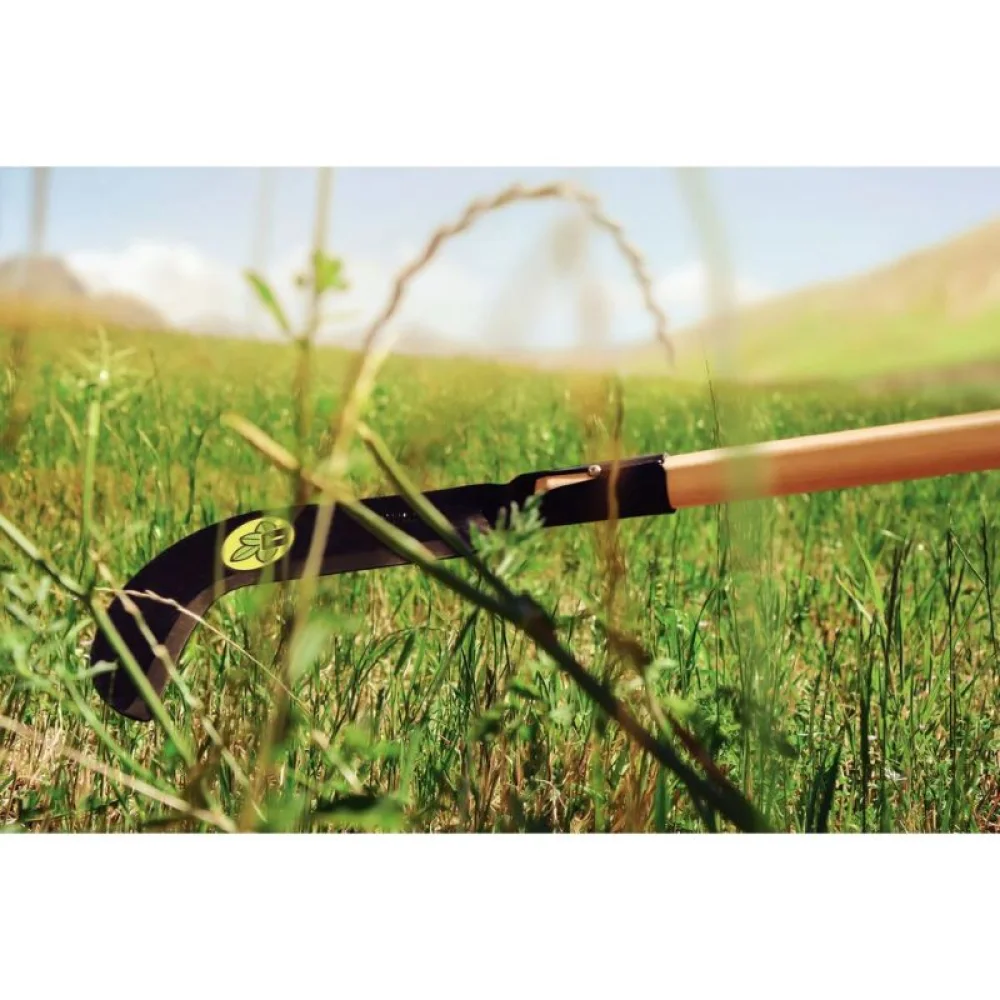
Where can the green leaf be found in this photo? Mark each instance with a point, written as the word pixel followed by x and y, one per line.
pixel 328 273
pixel 269 301
pixel 284 810
pixel 820 802
pixel 487 725
pixel 563 715
pixel 873 584
pixel 307 650
pixel 525 689
pixel 660 802
pixel 171 753
pixel 363 812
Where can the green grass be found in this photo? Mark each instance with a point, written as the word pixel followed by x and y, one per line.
pixel 838 656
pixel 811 345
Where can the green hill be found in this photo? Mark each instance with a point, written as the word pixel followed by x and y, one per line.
pixel 935 309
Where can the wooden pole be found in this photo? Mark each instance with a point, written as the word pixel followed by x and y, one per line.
pixel 40 181
pixel 39 210
pixel 321 222
pixel 920 449
pixel 260 248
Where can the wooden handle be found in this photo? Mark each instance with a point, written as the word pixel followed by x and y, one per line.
pixel 920 449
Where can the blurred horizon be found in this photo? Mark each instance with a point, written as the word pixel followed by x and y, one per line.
pixel 178 240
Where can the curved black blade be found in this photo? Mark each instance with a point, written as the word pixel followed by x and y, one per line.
pixel 184 580
pixel 261 547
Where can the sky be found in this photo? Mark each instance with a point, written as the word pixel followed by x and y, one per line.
pixel 180 238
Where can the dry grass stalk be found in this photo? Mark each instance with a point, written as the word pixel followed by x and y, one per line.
pixel 113 774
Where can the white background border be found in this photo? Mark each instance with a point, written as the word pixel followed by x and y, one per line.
pixel 521 82
pixel 464 83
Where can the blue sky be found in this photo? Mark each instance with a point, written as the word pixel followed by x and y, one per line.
pixel 181 236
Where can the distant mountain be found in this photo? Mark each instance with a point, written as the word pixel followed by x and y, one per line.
pixel 217 325
pixel 127 311
pixel 955 279
pixel 47 283
pixel 45 279
pixel 411 340
pixel 937 307
pixel 421 340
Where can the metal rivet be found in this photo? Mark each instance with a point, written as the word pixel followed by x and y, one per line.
pixel 594 470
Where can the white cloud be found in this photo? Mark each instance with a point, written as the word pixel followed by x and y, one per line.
pixel 687 289
pixel 445 298
pixel 190 289
pixel 194 291
pixel 179 281
pixel 683 294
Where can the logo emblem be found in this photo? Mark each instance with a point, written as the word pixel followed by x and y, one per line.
pixel 257 543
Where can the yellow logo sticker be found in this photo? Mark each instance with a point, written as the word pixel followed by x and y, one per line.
pixel 257 543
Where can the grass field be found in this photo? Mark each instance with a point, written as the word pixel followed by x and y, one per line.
pixel 838 656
